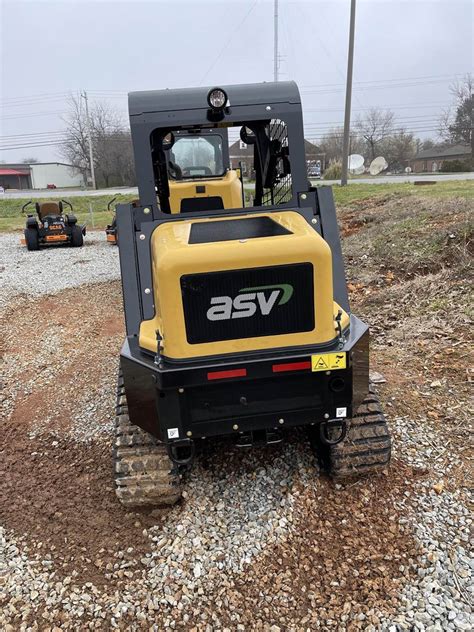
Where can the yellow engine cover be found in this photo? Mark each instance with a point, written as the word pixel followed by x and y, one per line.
pixel 254 282
pixel 228 188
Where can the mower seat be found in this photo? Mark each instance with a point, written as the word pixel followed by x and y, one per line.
pixel 48 208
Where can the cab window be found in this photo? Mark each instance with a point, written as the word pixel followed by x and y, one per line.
pixel 196 157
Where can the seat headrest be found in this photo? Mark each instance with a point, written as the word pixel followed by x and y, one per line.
pixel 49 208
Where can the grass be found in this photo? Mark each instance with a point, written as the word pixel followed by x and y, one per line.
pixel 355 192
pixel 12 219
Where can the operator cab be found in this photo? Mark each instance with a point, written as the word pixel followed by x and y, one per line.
pixel 192 171
pixel 199 174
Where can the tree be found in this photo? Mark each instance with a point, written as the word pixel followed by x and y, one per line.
pixel 111 142
pixel 427 144
pixel 30 161
pixel 331 144
pixel 75 148
pixel 375 127
pixel 459 127
pixel 398 149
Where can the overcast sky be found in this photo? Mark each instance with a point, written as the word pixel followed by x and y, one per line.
pixel 406 55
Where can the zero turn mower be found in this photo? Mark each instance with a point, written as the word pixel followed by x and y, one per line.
pixel 111 229
pixel 238 319
pixel 51 226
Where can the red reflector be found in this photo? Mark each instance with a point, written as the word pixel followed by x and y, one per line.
pixel 222 375
pixel 291 366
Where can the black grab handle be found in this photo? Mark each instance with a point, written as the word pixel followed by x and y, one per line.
pixel 111 202
pixel 25 205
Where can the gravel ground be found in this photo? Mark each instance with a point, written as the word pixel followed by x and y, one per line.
pixel 440 598
pixel 261 541
pixel 51 270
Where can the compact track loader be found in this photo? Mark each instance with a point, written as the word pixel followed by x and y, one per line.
pixel 52 226
pixel 237 315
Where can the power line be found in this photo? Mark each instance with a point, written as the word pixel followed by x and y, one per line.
pixel 44 97
pixel 441 78
pixel 228 41
pixel 33 96
pixel 312 133
pixel 32 134
pixel 359 88
pixel 35 102
pixel 11 118
pixel 432 104
pixel 416 119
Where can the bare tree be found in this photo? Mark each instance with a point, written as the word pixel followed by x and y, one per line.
pixel 462 90
pixel 75 148
pixel 462 127
pixel 113 155
pixel 374 127
pixel 456 124
pixel 331 144
pixel 112 146
pixel 444 122
pixel 30 161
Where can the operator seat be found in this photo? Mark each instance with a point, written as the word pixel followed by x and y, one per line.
pixel 48 208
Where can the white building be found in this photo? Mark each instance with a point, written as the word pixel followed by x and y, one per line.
pixel 39 175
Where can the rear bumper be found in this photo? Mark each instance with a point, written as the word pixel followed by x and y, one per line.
pixel 231 395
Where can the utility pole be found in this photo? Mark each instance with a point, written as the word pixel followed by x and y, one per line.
pixel 275 41
pixel 89 138
pixel 347 114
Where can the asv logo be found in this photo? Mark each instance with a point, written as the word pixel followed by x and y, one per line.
pixel 249 299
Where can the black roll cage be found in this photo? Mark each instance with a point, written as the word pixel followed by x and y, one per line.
pixel 156 113
pixel 253 105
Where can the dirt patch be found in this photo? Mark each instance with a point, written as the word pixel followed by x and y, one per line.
pixel 59 494
pixel 60 357
pixel 349 554
pixel 421 322
pixel 48 347
pixel 406 237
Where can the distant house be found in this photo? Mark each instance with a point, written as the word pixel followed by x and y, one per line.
pixel 38 175
pixel 429 160
pixel 240 152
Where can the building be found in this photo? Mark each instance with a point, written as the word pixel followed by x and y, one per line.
pixel 240 152
pixel 39 175
pixel 429 160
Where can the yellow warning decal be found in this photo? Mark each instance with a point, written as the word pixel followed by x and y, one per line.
pixel 328 361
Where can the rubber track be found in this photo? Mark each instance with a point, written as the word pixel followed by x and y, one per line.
pixel 367 445
pixel 143 472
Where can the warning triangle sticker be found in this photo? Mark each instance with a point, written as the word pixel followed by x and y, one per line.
pixel 328 361
pixel 322 364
